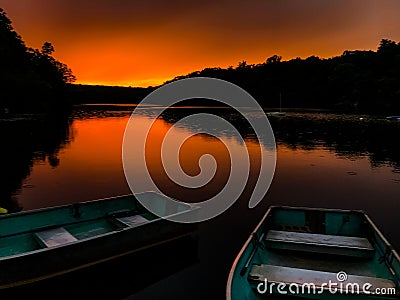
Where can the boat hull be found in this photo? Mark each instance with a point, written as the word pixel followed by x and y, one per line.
pixel 41 265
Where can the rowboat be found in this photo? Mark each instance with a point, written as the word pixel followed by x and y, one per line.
pixel 40 244
pixel 313 253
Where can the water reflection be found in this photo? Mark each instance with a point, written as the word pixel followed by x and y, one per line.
pixel 27 142
pixel 350 136
pixel 44 168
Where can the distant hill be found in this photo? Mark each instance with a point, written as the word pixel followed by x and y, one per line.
pixel 90 94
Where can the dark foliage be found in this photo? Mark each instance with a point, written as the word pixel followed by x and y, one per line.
pixel 355 81
pixel 30 79
pixel 90 94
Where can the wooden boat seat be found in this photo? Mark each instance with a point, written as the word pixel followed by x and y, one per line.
pixel 55 237
pixel 320 243
pixel 132 221
pixel 287 275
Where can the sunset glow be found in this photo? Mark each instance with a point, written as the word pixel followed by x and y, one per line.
pixel 134 43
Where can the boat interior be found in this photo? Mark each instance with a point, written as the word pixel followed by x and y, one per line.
pixel 314 246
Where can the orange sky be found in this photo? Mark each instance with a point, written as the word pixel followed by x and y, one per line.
pixel 141 43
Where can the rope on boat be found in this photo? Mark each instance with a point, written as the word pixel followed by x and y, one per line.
pixel 257 242
pixel 387 257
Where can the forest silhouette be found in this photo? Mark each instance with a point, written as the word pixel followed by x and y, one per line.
pixel 30 79
pixel 354 81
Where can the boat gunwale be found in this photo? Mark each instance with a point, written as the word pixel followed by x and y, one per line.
pixel 381 236
pixel 88 202
pixel 274 207
pixel 50 208
pixel 388 246
pixel 248 241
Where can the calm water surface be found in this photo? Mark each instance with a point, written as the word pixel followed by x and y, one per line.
pixel 324 160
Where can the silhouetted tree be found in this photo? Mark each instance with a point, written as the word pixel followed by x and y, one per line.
pixel 30 79
pixel 274 59
pixel 47 48
pixel 53 71
pixel 388 47
pixel 242 65
pixel 12 48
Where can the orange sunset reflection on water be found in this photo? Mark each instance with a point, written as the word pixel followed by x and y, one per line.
pixel 91 165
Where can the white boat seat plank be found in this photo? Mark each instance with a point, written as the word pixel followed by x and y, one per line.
pixel 55 237
pixel 324 243
pixel 133 221
pixel 287 275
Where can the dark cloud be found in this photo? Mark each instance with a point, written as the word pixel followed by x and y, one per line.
pixel 250 15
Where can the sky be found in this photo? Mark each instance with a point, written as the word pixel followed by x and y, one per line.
pixel 142 43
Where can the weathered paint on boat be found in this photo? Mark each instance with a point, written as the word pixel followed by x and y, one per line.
pixel 320 253
pixel 43 243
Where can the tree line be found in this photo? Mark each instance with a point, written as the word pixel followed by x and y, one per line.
pixel 354 81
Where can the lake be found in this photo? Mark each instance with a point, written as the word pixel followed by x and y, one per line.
pixel 323 160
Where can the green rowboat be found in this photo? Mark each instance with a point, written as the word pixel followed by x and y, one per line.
pixel 43 243
pixel 315 254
